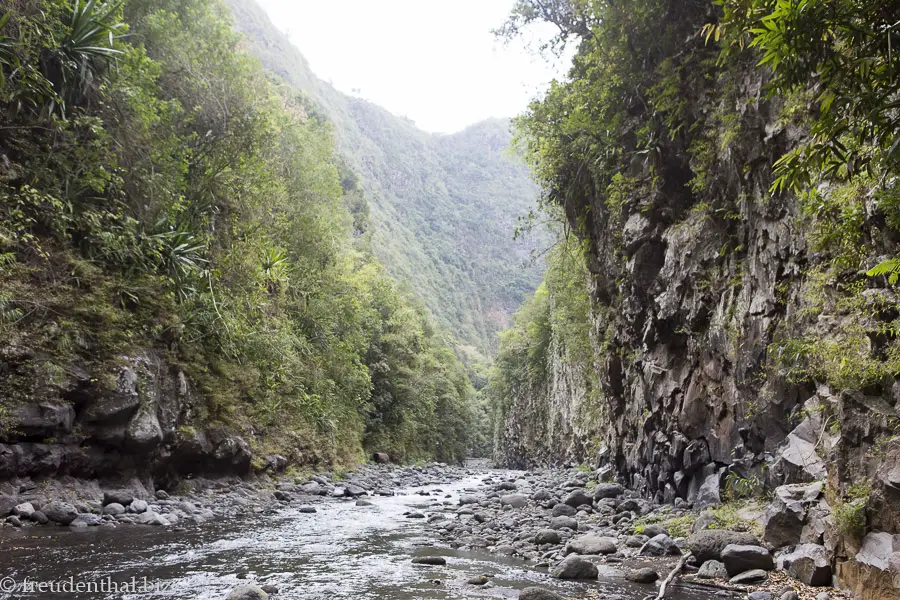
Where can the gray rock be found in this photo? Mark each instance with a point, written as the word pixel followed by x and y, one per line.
pixel 434 561
pixel 809 564
pixel 546 536
pixel 750 577
pixel 137 507
pixel 354 491
pixel 534 593
pixel 24 510
pixel 541 496
pixel 563 510
pixel 60 512
pixel 478 580
pixel 39 517
pixel 87 519
pixel 468 499
pixel 708 544
pixel 575 567
pixel 162 495
pixel 789 595
pixel 738 558
pixel 7 504
pixel 591 544
pixel 14 521
pixel 514 500
pixel 576 498
pixel 608 490
pixel 122 497
pixel 784 517
pixel 144 432
pixel 653 531
pixel 306 509
pixel 312 488
pixel 759 595
pixel 362 502
pixel 563 522
pixel 660 545
pixel 712 569
pixel 708 494
pixel 248 592
pixel 645 575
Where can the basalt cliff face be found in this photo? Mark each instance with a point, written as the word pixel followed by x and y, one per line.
pixel 731 344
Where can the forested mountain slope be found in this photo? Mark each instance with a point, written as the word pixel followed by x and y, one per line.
pixel 442 208
pixel 181 291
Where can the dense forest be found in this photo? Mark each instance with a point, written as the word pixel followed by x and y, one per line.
pixel 167 206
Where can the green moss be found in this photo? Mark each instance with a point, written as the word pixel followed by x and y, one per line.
pixel 850 512
pixel 677 526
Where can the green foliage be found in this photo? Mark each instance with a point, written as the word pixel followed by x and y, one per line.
pixel 850 512
pixel 439 210
pixel 676 526
pixel 739 487
pixel 186 202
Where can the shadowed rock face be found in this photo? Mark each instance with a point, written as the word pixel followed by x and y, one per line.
pixel 141 427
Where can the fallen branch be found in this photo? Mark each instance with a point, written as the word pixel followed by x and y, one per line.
pixel 671 576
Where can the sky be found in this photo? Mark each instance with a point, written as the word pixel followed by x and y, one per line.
pixel 436 63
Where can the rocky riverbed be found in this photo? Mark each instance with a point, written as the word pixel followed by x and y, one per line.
pixel 388 532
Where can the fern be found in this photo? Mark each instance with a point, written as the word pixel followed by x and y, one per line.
pixel 889 267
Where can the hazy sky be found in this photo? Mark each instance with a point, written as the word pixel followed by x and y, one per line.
pixel 435 62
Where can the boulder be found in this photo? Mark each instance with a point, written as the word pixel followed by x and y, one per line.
pixel 563 510
pixel 645 575
pixel 660 545
pixel 750 577
pixel 7 504
pixel 514 500
pixel 248 592
pixel 784 518
pixel 740 558
pixel 575 567
pixel 43 420
pixel 137 506
pixel 564 522
pixel 354 491
pixel 275 463
pixel 576 498
pixel 546 536
pixel 24 510
pixel 60 512
pixel 114 508
pixel 39 517
pixel 708 544
pixel 591 544
pixel 312 488
pixel 708 494
pixel 608 490
pixel 144 432
pixel 534 593
pixel 122 497
pixel 434 561
pixel 809 564
pixel 712 569
pixel 381 458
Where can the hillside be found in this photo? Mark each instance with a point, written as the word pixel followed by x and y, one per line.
pixel 442 208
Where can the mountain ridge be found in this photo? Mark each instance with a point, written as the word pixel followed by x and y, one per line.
pixel 435 198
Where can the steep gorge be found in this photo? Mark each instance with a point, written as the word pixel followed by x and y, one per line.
pixel 737 342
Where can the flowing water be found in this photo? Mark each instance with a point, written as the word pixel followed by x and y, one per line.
pixel 342 551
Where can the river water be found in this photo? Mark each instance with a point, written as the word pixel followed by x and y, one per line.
pixel 342 551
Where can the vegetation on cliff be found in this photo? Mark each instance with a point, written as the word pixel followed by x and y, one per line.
pixel 159 191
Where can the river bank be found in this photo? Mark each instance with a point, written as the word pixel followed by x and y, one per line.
pixel 434 531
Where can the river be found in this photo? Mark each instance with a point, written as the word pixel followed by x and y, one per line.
pixel 342 551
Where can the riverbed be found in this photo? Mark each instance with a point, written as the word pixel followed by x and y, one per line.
pixel 341 551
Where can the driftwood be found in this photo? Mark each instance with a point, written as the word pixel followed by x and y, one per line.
pixel 669 578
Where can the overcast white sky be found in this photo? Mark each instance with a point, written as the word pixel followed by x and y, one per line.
pixel 435 62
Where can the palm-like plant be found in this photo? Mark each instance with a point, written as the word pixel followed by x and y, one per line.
pixel 8 56
pixel 84 50
pixel 274 268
